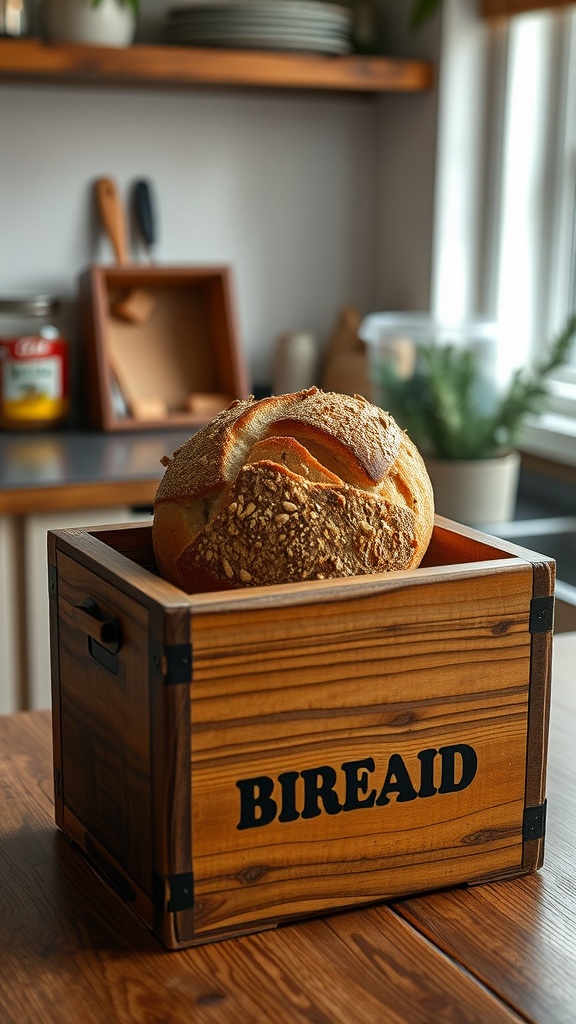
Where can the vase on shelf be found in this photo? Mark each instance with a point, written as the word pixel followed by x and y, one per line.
pixel 93 22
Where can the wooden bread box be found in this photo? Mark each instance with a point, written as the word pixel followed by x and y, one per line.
pixel 235 760
pixel 162 345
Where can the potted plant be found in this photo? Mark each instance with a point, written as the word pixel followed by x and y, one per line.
pixel 445 394
pixel 96 22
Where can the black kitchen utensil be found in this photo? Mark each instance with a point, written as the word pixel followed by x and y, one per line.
pixel 144 214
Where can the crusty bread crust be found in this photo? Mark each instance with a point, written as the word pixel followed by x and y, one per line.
pixel 305 486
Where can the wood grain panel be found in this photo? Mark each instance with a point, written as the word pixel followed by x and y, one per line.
pixel 290 690
pixel 104 722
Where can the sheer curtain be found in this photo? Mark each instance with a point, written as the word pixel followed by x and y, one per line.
pixel 504 239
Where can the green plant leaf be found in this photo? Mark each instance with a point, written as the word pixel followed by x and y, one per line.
pixel 438 405
pixel 422 10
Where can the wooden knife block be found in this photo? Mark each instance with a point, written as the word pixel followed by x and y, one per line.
pixel 175 367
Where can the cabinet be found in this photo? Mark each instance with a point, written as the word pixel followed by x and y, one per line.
pixel 24 609
pixel 37 616
pixel 59 480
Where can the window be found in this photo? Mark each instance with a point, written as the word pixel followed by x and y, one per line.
pixel 505 235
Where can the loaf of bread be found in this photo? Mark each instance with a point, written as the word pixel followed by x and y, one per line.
pixel 295 487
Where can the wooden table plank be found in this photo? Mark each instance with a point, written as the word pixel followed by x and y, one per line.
pixel 72 951
pixel 519 937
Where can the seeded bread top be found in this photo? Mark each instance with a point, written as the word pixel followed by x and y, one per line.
pixel 276 527
pixel 293 487
pixel 348 435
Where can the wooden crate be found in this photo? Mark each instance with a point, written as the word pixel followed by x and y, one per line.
pixel 230 761
pixel 173 359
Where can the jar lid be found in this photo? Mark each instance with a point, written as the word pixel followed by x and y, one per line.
pixel 29 305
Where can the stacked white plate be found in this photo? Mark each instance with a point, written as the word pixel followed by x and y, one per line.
pixel 317 26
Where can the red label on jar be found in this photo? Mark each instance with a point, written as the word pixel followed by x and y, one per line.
pixel 33 379
pixel 31 347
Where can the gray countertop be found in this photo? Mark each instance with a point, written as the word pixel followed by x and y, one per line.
pixel 52 459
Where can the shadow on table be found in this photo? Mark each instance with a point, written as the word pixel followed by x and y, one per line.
pixel 53 903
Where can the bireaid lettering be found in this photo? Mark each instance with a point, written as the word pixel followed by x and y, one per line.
pixel 355 785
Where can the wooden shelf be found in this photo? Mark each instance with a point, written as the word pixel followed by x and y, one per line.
pixel 146 65
pixel 507 8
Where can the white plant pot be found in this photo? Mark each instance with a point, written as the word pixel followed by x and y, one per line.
pixel 476 492
pixel 110 23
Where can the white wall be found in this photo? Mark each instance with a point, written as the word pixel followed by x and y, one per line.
pixel 280 187
pixel 406 169
pixel 289 188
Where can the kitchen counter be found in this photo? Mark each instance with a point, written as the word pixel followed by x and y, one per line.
pixel 42 471
pixel 56 480
pixel 58 470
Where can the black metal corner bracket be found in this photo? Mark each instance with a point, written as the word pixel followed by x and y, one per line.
pixel 176 659
pixel 542 614
pixel 173 892
pixel 534 823
pixel 179 663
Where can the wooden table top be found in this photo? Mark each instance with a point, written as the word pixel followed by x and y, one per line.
pixel 71 951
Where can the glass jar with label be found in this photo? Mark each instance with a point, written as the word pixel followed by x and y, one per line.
pixel 34 390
